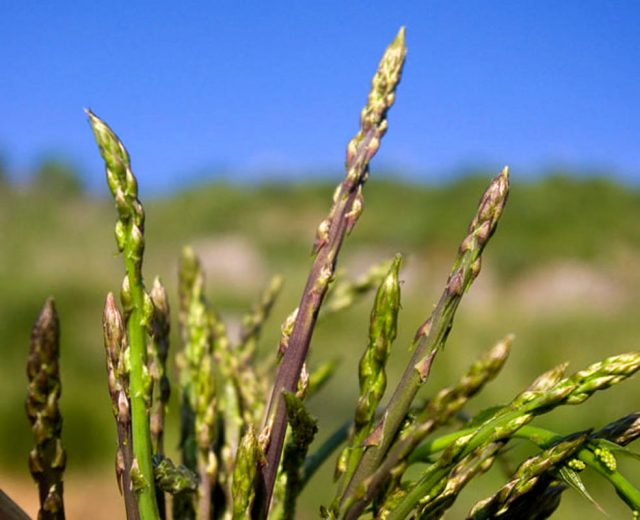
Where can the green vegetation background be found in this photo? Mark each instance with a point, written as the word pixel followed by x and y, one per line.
pixel 562 273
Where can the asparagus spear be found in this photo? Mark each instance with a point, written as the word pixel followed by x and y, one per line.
pixel 330 235
pixel 129 233
pixel 48 458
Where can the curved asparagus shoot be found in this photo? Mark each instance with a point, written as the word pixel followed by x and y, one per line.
pixel 137 305
pixel 48 458
pixel 432 335
pixel 330 235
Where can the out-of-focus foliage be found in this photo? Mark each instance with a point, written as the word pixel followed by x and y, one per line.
pixel 58 177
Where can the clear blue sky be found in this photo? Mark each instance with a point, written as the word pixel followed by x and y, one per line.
pixel 253 88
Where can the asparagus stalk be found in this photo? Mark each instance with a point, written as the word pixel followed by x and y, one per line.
pixel 540 498
pixel 372 375
pixel 432 335
pixel 331 232
pixel 543 498
pixel 211 405
pixel 129 234
pixel 622 431
pixel 118 382
pixel 48 458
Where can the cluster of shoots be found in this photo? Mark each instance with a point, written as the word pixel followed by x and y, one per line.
pixel 246 438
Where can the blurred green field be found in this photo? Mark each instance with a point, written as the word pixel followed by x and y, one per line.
pixel 562 274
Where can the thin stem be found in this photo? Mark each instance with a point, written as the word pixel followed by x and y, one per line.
pixel 138 380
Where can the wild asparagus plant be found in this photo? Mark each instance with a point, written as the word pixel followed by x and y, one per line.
pixel 47 458
pixel 346 209
pixel 233 436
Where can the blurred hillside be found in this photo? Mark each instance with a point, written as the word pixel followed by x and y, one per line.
pixel 562 273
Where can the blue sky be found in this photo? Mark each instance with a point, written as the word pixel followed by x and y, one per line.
pixel 255 89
